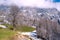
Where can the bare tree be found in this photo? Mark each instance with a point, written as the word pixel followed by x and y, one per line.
pixel 13 12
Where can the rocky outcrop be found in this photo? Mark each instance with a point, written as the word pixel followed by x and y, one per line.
pixel 48 27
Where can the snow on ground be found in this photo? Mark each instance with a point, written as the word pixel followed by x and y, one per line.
pixel 32 35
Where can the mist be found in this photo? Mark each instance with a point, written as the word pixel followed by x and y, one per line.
pixel 33 3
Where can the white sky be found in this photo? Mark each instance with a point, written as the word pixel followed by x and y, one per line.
pixel 33 3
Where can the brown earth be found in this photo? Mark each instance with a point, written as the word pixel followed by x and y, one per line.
pixel 20 37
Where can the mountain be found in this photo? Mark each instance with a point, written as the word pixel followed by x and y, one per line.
pixel 31 15
pixel 4 7
pixel 40 11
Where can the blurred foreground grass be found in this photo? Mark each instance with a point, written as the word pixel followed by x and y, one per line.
pixel 22 28
pixel 6 34
pixel 25 29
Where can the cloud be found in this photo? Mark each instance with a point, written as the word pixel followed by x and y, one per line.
pixel 37 3
pixel 33 3
pixel 5 2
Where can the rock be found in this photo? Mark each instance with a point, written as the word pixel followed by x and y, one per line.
pixel 48 29
pixel 2 26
